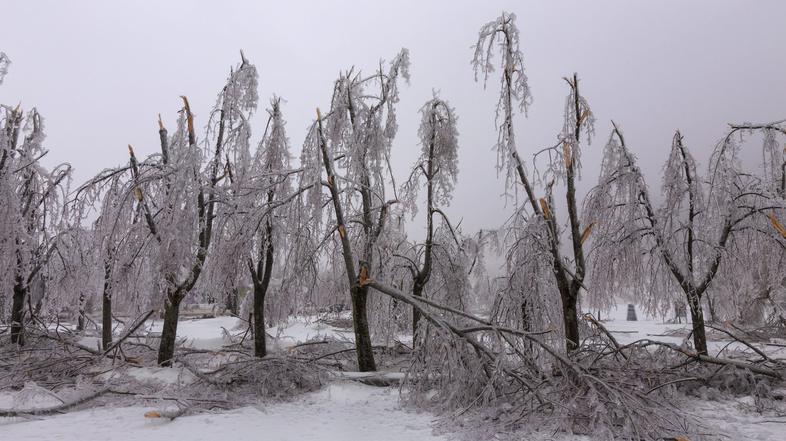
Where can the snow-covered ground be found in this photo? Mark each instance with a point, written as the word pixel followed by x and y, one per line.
pixel 211 333
pixel 655 328
pixel 342 411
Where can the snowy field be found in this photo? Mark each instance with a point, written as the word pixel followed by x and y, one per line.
pixel 737 419
pixel 342 411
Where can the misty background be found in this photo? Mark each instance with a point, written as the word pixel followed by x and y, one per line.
pixel 100 72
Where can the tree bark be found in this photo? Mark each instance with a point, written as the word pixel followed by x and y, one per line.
pixel 697 319
pixel 166 349
pixel 18 312
pixel 570 309
pixel 571 322
pixel 232 302
pixel 80 320
pixel 365 353
pixel 417 291
pixel 260 291
pixel 260 343
pixel 106 306
pixel 711 308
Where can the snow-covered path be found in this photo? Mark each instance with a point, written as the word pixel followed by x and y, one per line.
pixel 344 411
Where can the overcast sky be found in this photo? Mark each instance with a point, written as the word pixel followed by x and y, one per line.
pixel 101 71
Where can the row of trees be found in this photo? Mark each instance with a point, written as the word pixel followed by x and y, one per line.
pixel 209 215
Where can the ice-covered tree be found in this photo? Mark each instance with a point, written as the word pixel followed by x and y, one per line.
pixel 696 233
pixel 563 165
pixel 32 205
pixel 354 138
pixel 186 182
pixel 261 192
pixel 437 165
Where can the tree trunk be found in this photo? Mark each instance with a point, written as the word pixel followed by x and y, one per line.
pixel 261 278
pixel 232 302
pixel 526 324
pixel 365 353
pixel 80 320
pixel 166 350
pixel 358 293
pixel 571 322
pixel 697 317
pixel 106 308
pixel 260 343
pixel 18 312
pixel 711 308
pixel 417 291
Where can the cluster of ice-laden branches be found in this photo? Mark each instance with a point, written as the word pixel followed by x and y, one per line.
pixel 482 375
pixel 514 91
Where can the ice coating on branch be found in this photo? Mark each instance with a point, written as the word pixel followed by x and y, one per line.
pixel 311 202
pixel 274 156
pixel 504 32
pixel 503 35
pixel 362 121
pixel 525 296
pixel 577 116
pixel 439 150
pixel 234 108
pixel 773 160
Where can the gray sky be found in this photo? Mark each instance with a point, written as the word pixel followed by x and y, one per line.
pixel 100 72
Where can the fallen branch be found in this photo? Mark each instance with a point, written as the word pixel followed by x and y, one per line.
pixel 707 358
pixel 605 332
pixel 54 409
pixel 130 331
pixel 740 340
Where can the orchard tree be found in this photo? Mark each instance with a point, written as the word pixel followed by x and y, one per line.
pixel 563 164
pixel 122 246
pixel 116 249
pixel 355 138
pixel 32 205
pixel 261 193
pixel 69 276
pixel 683 245
pixel 186 182
pixel 438 167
